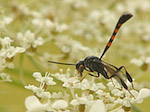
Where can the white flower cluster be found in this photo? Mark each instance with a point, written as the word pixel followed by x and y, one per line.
pixel 77 4
pixel 5 77
pixel 143 62
pixel 28 40
pixel 7 54
pixel 51 102
pixel 93 97
pixel 5 21
pixel 7 51
pixel 54 27
pixel 71 48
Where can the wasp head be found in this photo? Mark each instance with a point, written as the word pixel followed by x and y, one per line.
pixel 80 67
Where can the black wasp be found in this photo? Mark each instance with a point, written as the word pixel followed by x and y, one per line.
pixel 96 64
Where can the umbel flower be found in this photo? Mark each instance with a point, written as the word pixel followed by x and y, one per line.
pixel 28 40
pixel 8 52
pixel 93 96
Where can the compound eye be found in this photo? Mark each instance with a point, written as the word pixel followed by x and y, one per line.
pixel 81 68
pixel 80 63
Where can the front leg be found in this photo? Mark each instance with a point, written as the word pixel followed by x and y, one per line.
pixel 89 74
pixel 94 75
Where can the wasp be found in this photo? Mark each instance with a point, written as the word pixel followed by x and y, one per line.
pixel 96 64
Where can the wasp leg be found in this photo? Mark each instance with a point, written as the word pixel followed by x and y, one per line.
pixel 88 70
pixel 94 75
pixel 125 86
pixel 127 75
pixel 89 74
pixel 85 75
pixel 104 73
pixel 83 78
pixel 112 82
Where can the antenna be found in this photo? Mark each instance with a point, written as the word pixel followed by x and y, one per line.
pixel 61 63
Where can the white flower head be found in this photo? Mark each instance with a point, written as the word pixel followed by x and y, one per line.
pixel 57 95
pixel 8 20
pixel 8 51
pixel 12 51
pixel 94 16
pixel 117 92
pixel 124 102
pixel 46 79
pixel 28 39
pixel 6 42
pixel 137 62
pixel 77 4
pixel 99 92
pixel 5 21
pixel 144 93
pixel 85 84
pixel 33 104
pixel 34 88
pixel 39 91
pixel 60 104
pixel 71 47
pixel 82 100
pixel 97 106
pixel 5 77
pixel 42 22
pixel 71 82
pixel 113 85
pixel 37 75
pixel 147 60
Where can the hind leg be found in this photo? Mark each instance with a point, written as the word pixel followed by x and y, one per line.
pixel 127 75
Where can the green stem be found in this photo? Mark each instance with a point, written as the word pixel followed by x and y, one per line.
pixel 16 71
pixel 21 73
pixel 36 64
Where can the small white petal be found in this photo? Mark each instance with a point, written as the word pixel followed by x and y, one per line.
pixel 147 60
pixel 8 20
pixel 46 95
pixel 101 85
pixel 126 103
pixel 74 102
pixel 98 106
pixel 117 92
pixel 37 75
pixel 39 41
pixel 5 77
pixel 33 104
pixel 136 62
pixel 57 95
pixel 144 93
pixel 60 104
pixel 20 50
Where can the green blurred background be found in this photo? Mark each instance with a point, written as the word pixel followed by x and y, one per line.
pixel 127 45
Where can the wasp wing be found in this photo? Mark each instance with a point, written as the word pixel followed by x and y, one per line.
pixel 117 74
pixel 114 72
